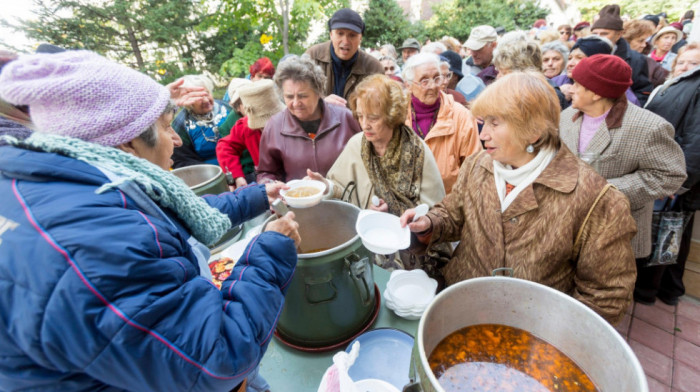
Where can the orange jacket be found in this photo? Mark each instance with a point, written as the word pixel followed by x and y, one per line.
pixel 453 138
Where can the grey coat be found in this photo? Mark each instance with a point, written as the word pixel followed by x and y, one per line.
pixel 637 154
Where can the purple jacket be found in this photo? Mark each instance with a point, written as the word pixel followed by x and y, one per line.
pixel 286 150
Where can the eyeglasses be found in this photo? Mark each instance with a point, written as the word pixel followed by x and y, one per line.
pixel 425 83
pixel 446 76
pixel 389 68
pixel 563 32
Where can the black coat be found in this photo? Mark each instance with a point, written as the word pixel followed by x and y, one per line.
pixel 641 86
pixel 678 102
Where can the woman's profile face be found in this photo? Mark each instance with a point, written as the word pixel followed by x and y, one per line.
pixel 301 100
pixel 639 43
pixel 575 56
pixel 161 153
pixel 501 143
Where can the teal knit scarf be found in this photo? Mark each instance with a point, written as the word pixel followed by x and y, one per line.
pixel 205 223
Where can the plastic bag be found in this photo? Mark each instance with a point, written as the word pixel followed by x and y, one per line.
pixel 667 227
pixel 336 377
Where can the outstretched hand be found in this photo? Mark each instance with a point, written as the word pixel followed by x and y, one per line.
pixel 286 225
pixel 381 207
pixel 311 175
pixel 273 190
pixel 176 89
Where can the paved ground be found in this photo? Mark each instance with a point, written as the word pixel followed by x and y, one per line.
pixel 666 340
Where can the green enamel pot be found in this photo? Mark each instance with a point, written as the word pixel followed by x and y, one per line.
pixel 332 296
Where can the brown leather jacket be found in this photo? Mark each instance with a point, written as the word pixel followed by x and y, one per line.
pixel 286 150
pixel 365 65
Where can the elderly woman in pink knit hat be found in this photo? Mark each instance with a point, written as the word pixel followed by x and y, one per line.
pixel 633 148
pixel 102 262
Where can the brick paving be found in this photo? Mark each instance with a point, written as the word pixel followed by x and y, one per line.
pixel 666 340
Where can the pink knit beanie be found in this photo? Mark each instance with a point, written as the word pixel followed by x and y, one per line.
pixel 83 95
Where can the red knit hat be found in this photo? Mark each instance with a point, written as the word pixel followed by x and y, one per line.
pixel 606 75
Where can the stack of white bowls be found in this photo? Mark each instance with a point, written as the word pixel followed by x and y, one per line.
pixel 408 293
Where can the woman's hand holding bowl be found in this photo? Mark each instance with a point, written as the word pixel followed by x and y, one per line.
pixel 423 224
pixel 381 207
pixel 273 190
pixel 310 175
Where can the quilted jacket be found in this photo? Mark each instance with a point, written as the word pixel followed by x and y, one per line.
pixel 103 292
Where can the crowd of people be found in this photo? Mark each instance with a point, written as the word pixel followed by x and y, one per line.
pixel 540 151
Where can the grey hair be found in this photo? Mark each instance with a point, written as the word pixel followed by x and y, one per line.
pixel 301 69
pixel 390 49
pixel 389 58
pixel 559 47
pixel 409 69
pixel 434 47
pixel 512 36
pixel 518 55
pixel 198 81
pixel 150 134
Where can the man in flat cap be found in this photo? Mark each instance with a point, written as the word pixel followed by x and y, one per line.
pixel 410 47
pixel 341 59
pixel 609 25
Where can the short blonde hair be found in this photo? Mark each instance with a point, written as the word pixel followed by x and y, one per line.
pixel 527 103
pixel 548 36
pixel 386 95
pixel 451 43
pixel 518 55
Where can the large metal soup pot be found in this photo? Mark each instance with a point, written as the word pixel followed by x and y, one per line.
pixel 551 315
pixel 203 179
pixel 331 297
pixel 209 180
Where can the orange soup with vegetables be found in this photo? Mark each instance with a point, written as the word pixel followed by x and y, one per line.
pixel 302 191
pixel 493 357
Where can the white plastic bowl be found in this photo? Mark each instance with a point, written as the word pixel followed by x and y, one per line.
pixel 381 233
pixel 304 202
pixel 409 293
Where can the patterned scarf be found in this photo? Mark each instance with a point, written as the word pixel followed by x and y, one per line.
pixel 206 223
pixel 396 176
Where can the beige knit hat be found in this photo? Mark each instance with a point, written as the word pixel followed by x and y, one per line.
pixel 236 83
pixel 261 102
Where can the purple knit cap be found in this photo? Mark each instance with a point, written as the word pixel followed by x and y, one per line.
pixel 83 95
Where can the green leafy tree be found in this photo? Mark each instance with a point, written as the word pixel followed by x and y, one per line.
pixel 638 8
pixel 385 24
pixel 456 18
pixel 250 29
pixel 138 32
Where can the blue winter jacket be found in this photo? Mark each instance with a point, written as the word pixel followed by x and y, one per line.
pixel 97 293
